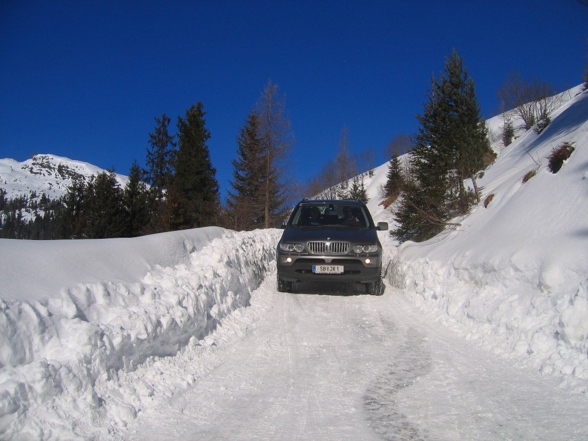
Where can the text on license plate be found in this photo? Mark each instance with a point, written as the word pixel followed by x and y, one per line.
pixel 328 269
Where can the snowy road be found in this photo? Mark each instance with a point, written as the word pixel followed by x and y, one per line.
pixel 312 366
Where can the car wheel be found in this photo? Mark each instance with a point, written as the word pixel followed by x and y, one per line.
pixel 284 286
pixel 375 288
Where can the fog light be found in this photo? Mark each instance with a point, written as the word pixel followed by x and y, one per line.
pixel 289 259
pixel 368 261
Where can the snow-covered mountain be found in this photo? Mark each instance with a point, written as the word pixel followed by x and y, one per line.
pixel 116 338
pixel 45 174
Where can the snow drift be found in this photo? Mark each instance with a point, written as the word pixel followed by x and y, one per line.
pixel 56 344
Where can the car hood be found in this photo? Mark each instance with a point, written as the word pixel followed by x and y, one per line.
pixel 306 234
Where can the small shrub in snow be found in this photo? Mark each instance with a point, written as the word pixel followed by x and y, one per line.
pixel 488 200
pixel 558 156
pixel 529 175
pixel 508 131
pixel 542 123
pixel 489 157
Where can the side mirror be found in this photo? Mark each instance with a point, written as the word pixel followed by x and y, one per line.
pixel 382 226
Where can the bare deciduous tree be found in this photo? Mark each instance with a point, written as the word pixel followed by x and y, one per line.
pixel 345 163
pixel 586 67
pixel 367 161
pixel 530 101
pixel 277 140
pixel 325 184
pixel 398 145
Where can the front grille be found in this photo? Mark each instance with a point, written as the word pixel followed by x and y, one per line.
pixel 328 247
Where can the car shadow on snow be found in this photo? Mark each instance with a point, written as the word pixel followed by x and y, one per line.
pixel 330 289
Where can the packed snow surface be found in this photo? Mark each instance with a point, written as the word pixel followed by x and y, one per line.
pixel 481 332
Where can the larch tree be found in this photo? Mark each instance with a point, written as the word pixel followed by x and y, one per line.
pixel 193 196
pixel 277 141
pixel 585 78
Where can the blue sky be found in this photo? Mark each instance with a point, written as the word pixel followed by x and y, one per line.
pixel 85 79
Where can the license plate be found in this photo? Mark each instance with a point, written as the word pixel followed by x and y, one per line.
pixel 328 269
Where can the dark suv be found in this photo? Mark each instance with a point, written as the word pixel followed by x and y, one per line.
pixel 330 241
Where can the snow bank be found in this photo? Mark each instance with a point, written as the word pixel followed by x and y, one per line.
pixel 65 329
pixel 35 270
pixel 514 275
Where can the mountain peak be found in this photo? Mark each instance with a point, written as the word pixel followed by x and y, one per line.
pixel 45 173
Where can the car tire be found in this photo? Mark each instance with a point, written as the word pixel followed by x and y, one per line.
pixel 284 286
pixel 375 288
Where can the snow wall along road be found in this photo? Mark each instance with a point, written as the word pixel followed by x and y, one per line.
pixel 60 346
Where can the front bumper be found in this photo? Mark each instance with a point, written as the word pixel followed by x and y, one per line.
pixel 293 268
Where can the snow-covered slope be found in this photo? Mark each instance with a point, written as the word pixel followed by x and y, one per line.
pixel 514 275
pixel 48 174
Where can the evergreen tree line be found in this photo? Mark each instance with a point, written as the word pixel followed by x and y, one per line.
pixel 29 217
pixel 178 188
pixel 98 208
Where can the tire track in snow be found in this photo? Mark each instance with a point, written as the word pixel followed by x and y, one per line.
pixel 411 361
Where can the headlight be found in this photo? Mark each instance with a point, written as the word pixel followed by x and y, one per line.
pixel 365 249
pixel 290 247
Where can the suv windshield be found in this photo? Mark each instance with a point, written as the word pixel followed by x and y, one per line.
pixel 331 214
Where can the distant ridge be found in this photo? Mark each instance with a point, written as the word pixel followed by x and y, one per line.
pixel 45 174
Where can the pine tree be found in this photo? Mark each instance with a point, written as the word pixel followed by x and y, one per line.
pixel 449 148
pixel 159 157
pixel 357 190
pixel 508 130
pixel 103 207
pixel 160 160
pixel 73 220
pixel 193 198
pixel 247 202
pixel 277 141
pixel 394 177
pixel 136 202
pixel 465 135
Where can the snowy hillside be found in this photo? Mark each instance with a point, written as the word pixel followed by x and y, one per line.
pixel 514 275
pixel 48 174
pixel 84 324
